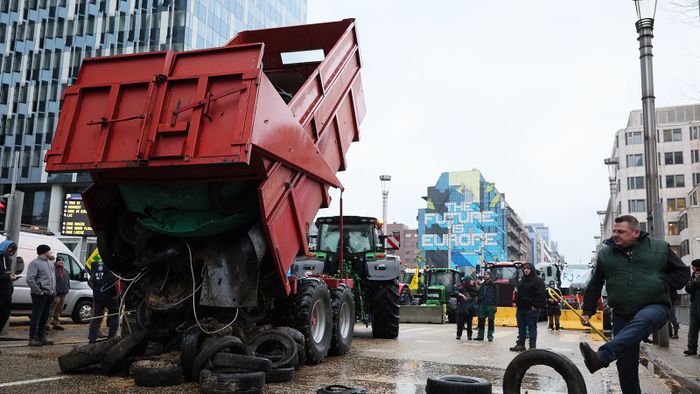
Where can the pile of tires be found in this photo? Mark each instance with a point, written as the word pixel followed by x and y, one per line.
pixel 224 364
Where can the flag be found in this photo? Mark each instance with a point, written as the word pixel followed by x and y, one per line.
pixel 414 282
pixel 94 257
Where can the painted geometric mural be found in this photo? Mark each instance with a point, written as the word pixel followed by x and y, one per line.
pixel 464 216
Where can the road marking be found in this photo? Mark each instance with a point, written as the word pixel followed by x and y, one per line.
pixel 32 381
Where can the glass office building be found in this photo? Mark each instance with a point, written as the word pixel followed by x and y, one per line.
pixel 43 42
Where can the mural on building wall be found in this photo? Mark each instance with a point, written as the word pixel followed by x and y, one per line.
pixel 465 215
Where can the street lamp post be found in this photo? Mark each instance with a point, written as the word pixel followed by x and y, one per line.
pixel 655 222
pixel 385 179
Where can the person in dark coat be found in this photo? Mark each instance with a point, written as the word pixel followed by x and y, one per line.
pixel 693 288
pixel 530 298
pixel 62 288
pixel 553 308
pixel 488 302
pixel 639 273
pixel 104 295
pixel 7 250
pixel 466 306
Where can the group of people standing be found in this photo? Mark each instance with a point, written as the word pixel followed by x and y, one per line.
pixel 477 297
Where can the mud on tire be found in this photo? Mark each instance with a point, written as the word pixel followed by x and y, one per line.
pixel 85 355
pixel 343 306
pixel 312 316
pixel 385 310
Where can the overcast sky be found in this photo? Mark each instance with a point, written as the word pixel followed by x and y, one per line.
pixel 529 92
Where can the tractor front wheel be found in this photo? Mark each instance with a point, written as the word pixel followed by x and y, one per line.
pixel 385 310
pixel 312 316
pixel 343 319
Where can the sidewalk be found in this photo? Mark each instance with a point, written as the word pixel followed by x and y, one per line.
pixel 684 369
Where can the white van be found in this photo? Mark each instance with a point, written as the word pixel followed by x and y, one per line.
pixel 78 304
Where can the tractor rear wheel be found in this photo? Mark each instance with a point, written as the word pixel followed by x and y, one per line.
pixel 343 319
pixel 312 316
pixel 385 310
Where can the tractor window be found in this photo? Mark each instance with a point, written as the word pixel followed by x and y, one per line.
pixel 358 238
pixel 441 279
pixel 506 273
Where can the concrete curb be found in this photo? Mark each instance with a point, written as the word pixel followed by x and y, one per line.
pixel 690 383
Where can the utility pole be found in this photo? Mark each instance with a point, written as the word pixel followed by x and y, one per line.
pixel 385 179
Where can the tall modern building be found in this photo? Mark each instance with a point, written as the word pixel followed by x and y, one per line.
pixel 678 146
pixel 43 42
pixel 464 221
pixel 408 247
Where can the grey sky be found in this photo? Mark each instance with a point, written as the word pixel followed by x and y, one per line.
pixel 529 92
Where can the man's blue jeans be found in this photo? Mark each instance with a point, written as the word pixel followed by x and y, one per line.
pixel 628 332
pixel 527 320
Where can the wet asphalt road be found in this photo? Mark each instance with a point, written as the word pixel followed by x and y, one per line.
pixel 381 366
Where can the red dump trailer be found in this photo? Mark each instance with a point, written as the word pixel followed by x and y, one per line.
pixel 208 167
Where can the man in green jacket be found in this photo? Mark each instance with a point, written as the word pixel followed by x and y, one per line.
pixel 639 273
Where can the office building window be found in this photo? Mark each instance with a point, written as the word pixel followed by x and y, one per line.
pixel 683 248
pixel 635 160
pixel 673 228
pixel 675 204
pixel 643 226
pixel 696 179
pixel 672 135
pixel 673 158
pixel 682 222
pixel 695 133
pixel 695 156
pixel 675 180
pixel 636 206
pixel 633 138
pixel 635 182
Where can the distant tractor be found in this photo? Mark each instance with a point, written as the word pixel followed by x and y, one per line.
pixel 406 295
pixel 505 275
pixel 440 289
pixel 352 255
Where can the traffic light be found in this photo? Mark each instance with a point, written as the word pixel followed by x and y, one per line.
pixel 3 210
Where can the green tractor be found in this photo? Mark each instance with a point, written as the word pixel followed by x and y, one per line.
pixel 351 259
pixel 441 289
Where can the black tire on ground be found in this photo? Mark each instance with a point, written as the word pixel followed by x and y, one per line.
pixel 343 305
pixel 242 361
pixel 301 355
pixel 154 373
pixel 189 349
pixel 455 384
pixel 340 389
pixel 385 310
pixel 85 355
pixel 300 340
pixel 226 380
pixel 515 371
pixel 313 303
pixel 276 346
pixel 116 358
pixel 279 375
pixel 212 346
pixel 452 310
pixel 82 311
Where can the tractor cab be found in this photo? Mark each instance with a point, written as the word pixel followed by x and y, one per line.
pixel 441 289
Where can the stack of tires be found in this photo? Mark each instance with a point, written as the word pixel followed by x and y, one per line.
pixel 222 364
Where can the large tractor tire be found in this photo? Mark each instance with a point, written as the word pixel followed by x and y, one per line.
pixel 385 310
pixel 343 320
pixel 313 317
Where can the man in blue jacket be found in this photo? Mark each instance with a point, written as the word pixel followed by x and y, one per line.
pixel 104 295
pixel 7 250
pixel 639 273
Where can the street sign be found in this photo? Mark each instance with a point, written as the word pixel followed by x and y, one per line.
pixel 75 219
pixel 392 242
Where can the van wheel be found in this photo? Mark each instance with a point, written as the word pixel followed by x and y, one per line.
pixel 82 311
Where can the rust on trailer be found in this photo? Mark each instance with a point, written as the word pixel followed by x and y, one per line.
pixel 220 114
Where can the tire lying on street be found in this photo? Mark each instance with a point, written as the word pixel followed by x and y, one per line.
pixel 157 373
pixel 515 371
pixel 301 342
pixel 340 389
pixel 280 375
pixel 189 349
pixel 116 358
pixel 456 384
pixel 312 316
pixel 213 346
pixel 276 346
pixel 86 355
pixel 343 306
pixel 385 310
pixel 242 361
pixel 226 380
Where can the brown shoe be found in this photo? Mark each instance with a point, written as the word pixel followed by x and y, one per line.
pixel 590 357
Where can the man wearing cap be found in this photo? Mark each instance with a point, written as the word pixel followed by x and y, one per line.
pixel 693 288
pixel 62 288
pixel 529 299
pixel 639 273
pixel 41 279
